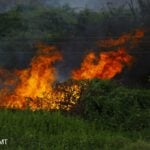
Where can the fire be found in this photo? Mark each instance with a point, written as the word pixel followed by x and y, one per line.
pixel 105 66
pixel 108 64
pixel 36 87
pixel 41 74
pixel 33 87
pixel 131 39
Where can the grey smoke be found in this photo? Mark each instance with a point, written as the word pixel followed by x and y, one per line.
pixel 116 26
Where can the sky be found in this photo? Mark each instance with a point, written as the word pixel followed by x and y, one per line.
pixel 78 4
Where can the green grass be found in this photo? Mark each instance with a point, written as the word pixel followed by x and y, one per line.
pixel 27 130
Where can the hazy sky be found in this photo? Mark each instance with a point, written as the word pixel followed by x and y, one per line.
pixel 92 4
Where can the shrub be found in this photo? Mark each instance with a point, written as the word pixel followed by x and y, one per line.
pixel 116 106
pixel 139 145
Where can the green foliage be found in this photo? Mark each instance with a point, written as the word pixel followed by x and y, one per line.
pixel 53 130
pixel 10 22
pixel 55 23
pixel 116 106
pixel 139 145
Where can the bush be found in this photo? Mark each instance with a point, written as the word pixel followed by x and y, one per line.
pixel 116 106
pixel 139 145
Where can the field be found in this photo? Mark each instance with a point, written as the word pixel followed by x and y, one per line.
pixel 56 131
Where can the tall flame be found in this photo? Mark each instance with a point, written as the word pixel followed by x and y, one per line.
pixel 34 87
pixel 41 74
pixel 105 66
pixel 34 81
pixel 108 64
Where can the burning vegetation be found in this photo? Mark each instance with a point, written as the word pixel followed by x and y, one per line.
pixel 36 87
pixel 107 65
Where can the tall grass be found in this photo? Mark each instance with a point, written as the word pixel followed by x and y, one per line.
pixel 27 130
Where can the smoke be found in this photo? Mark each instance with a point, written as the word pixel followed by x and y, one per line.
pixel 18 53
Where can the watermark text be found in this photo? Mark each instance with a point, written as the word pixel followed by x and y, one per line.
pixel 3 141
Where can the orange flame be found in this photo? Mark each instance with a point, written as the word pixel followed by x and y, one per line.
pixel 39 78
pixel 105 66
pixel 128 38
pixel 36 87
pixel 108 64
